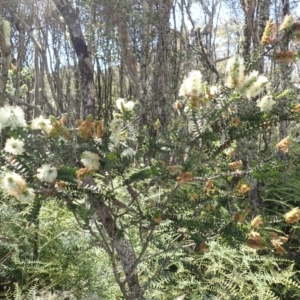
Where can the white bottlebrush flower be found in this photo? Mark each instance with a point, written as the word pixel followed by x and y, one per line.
pixel 40 123
pixel 13 184
pixel 47 173
pixel 27 196
pixel 128 152
pixel 266 103
pixel 14 146
pixel 235 70
pixel 90 160
pixel 192 84
pixel 287 22
pixel 124 106
pixel 254 84
pixel 12 116
pixel 213 90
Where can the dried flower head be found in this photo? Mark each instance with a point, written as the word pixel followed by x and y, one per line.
pixel 274 235
pixel 296 108
pixel 293 216
pixel 85 128
pixel 235 122
pixel 194 101
pixel 256 222
pixel 60 185
pixel 283 239
pixel 209 187
pixel 63 120
pixel 235 165
pixel 255 240
pixel 239 217
pixel 184 178
pixel 277 242
pixel 285 56
pixel 98 129
pixel 284 144
pixel 178 105
pixel 277 245
pixel 83 173
pixel 243 188
pixel 203 247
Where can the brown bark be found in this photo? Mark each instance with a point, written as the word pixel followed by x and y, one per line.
pixel 248 30
pixel 71 17
pixel 123 248
pixel 161 87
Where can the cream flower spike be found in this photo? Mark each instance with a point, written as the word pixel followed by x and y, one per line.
pixel 90 160
pixel 40 123
pixel 12 116
pixel 47 173
pixel 14 146
pixel 124 106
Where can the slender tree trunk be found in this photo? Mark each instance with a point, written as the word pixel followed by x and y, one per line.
pixel 123 248
pixel 248 30
pixel 284 75
pixel 162 71
pixel 249 44
pixel 263 11
pixel 37 79
pixel 71 17
pixel 5 31
pixel 127 54
pixel 20 59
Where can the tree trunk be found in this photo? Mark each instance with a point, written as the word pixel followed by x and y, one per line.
pixel 123 248
pixel 284 76
pixel 5 31
pixel 71 17
pixel 161 101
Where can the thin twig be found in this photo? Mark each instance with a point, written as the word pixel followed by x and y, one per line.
pixel 20 101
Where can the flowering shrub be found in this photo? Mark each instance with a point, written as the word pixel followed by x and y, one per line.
pixel 120 185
